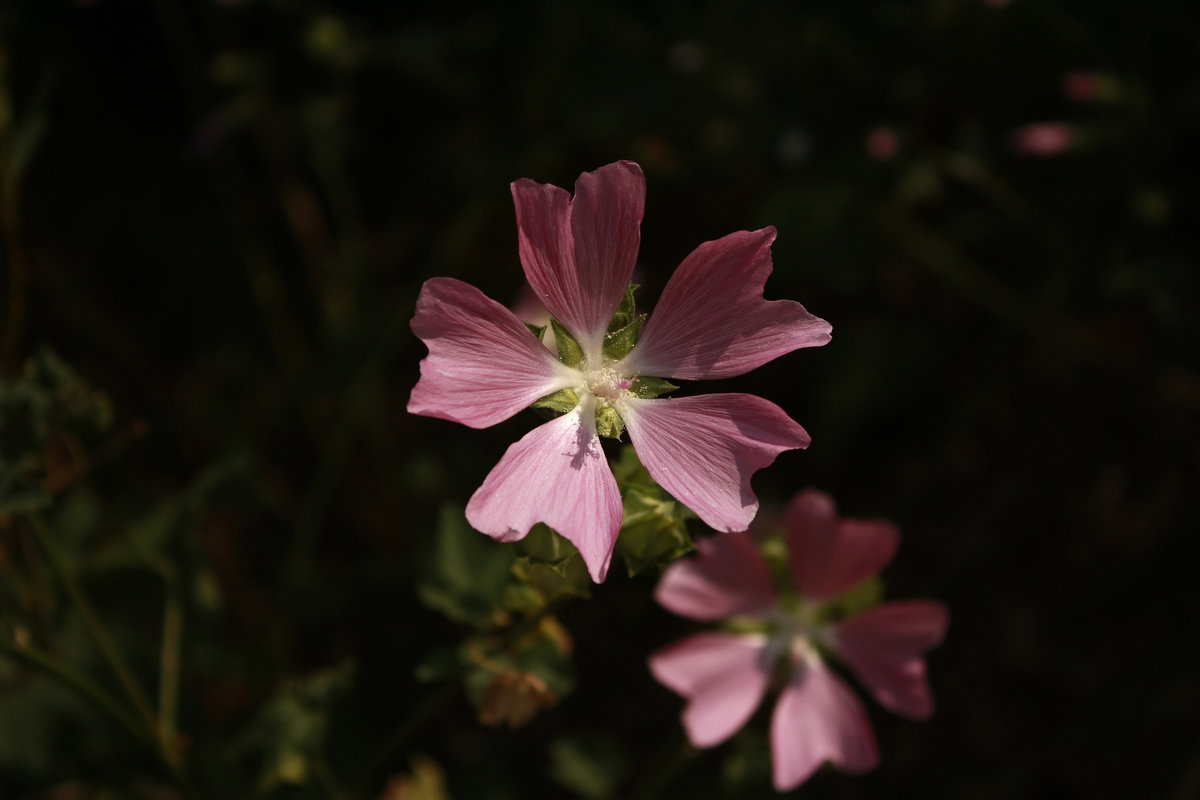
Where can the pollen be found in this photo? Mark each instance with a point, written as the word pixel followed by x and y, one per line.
pixel 607 383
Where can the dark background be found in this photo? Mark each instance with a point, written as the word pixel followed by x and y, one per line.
pixel 220 214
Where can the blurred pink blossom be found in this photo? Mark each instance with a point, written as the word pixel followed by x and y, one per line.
pixel 817 718
pixel 882 143
pixel 1042 139
pixel 1082 86
pixel 712 321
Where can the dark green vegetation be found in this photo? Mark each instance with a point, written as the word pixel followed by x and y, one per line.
pixel 231 565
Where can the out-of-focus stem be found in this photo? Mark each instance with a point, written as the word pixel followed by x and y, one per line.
pixel 83 687
pixel 169 664
pixel 91 622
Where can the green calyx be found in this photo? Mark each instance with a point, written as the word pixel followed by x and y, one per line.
pixel 620 338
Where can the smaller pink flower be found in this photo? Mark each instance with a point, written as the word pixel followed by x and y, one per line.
pixel 1042 139
pixel 882 143
pixel 1081 86
pixel 817 718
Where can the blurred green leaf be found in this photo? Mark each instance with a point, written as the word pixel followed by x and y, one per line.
pixel 287 735
pixel 591 765
pixel 467 575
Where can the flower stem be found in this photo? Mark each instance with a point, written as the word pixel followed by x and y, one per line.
pixel 91 622
pixel 82 686
pixel 169 664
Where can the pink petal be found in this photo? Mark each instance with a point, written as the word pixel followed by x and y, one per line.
pixel 884 646
pixel 830 556
pixel 704 450
pixel 468 334
pixel 722 675
pixel 712 321
pixel 579 254
pixel 727 579
pixel 819 719
pixel 556 474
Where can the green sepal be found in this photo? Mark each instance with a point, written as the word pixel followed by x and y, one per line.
pixel 626 326
pixel 569 579
pixel 647 388
pixel 654 530
pixel 537 330
pixel 562 401
pixel 866 594
pixel 542 545
pixel 551 565
pixel 654 527
pixel 569 351
pixel 609 422
pixel 627 311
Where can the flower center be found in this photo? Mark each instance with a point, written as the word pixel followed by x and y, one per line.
pixel 607 384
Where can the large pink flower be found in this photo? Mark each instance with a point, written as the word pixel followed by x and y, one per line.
pixel 712 321
pixel 724 676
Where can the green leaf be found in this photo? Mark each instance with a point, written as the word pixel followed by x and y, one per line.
pixel 467 573
pixel 591 765
pixel 629 471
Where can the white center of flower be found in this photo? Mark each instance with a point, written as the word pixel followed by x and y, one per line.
pixel 799 634
pixel 607 383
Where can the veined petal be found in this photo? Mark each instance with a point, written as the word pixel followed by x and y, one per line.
pixel 712 320
pixel 704 450
pixel 818 719
pixel 483 365
pixel 884 646
pixel 556 474
pixel 722 675
pixel 829 556
pixel 728 578
pixel 579 254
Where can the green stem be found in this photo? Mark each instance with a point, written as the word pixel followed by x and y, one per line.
pixel 169 665
pixel 79 684
pixel 92 622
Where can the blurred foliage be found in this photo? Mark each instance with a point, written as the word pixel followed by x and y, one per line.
pixel 231 565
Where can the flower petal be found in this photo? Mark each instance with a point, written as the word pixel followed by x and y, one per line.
pixel 830 556
pixel 884 646
pixel 727 579
pixel 579 254
pixel 818 719
pixel 468 334
pixel 556 474
pixel 704 450
pixel 712 320
pixel 722 675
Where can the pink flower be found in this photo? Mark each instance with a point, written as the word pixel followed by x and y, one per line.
pixel 724 675
pixel 1043 139
pixel 882 143
pixel 712 321
pixel 1082 86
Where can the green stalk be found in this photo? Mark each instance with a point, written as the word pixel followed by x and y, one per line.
pixel 82 686
pixel 169 665
pixel 91 622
